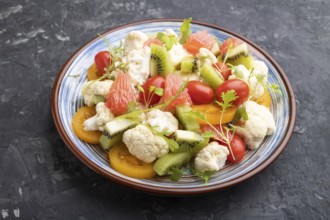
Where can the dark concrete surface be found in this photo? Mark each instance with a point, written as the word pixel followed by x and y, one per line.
pixel 41 179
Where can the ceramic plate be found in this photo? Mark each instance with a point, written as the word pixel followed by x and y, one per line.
pixel 67 99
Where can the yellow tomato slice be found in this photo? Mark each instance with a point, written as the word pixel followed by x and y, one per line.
pixel 92 73
pixel 213 113
pixel 122 161
pixel 265 99
pixel 81 115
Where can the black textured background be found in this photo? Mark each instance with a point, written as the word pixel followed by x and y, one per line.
pixel 41 179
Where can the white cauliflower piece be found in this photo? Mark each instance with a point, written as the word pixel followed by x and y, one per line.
pixel 134 41
pixel 91 88
pixel 162 121
pixel 138 63
pixel 145 145
pixel 98 121
pixel 256 88
pixel 259 124
pixel 211 158
pixel 206 56
pixel 260 69
pixel 170 32
pixel 177 52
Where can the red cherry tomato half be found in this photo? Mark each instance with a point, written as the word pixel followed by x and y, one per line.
pixel 199 92
pixel 228 44
pixel 239 86
pixel 102 60
pixel 238 149
pixel 223 69
pixel 151 98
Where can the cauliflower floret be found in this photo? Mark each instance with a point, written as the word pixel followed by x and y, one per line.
pixel 260 69
pixel 206 56
pixel 143 144
pixel 259 124
pixel 256 88
pixel 177 52
pixel 211 158
pixel 134 41
pixel 98 121
pixel 170 32
pixel 162 121
pixel 138 63
pixel 91 88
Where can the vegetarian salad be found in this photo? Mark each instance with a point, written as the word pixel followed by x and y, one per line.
pixel 164 103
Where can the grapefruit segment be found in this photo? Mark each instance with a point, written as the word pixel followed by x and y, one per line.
pixel 121 94
pixel 172 86
pixel 198 40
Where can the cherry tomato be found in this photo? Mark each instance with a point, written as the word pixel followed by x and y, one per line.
pixel 237 144
pixel 102 60
pixel 150 98
pixel 239 86
pixel 238 149
pixel 122 161
pixel 223 69
pixel 200 93
pixel 230 43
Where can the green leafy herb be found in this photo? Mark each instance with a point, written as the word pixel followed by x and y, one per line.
pixel 227 99
pixel 168 40
pixel 172 144
pixel 176 174
pixel 185 30
pixel 131 107
pixel 208 134
pixel 140 88
pixel 151 89
pixel 241 113
pixel 206 175
pixel 159 91
pixel 275 88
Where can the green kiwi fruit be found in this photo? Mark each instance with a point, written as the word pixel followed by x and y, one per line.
pixel 239 55
pixel 160 61
pixel 187 120
pixel 190 65
pixel 211 76
pixel 166 162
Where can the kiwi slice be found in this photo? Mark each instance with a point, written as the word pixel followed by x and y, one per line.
pixel 187 138
pixel 239 55
pixel 166 162
pixel 190 65
pixel 189 122
pixel 211 76
pixel 113 132
pixel 160 61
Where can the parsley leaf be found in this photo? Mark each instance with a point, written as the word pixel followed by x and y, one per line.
pixel 169 41
pixel 206 175
pixel 159 91
pixel 176 174
pixel 275 88
pixel 227 99
pixel 185 30
pixel 140 88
